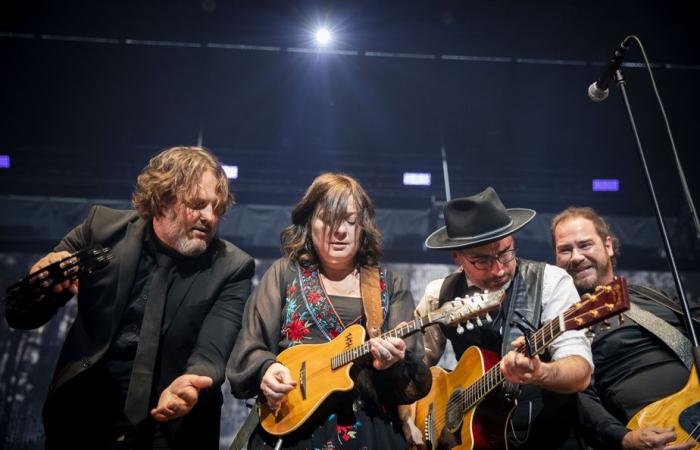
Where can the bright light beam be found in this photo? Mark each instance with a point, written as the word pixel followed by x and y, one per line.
pixel 323 37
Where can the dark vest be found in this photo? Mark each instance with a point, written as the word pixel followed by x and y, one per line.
pixel 541 418
pixel 523 295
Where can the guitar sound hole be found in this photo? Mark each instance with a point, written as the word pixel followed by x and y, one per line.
pixel 454 413
pixel 689 419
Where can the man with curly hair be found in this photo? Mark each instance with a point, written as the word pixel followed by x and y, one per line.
pixel 143 363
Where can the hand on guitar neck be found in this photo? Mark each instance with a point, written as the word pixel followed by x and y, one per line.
pixel 565 376
pixel 654 438
pixel 322 369
pixel 387 352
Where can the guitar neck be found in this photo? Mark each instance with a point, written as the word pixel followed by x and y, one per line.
pixel 357 352
pixel 494 377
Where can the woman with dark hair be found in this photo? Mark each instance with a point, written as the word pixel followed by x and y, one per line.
pixel 310 296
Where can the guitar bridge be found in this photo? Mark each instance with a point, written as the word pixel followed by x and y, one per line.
pixel 302 380
pixel 429 427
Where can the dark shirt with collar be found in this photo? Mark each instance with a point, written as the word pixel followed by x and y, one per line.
pixel 119 359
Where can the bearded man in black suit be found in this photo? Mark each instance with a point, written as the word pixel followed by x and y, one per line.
pixel 143 363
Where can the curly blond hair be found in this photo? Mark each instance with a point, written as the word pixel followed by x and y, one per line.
pixel 174 175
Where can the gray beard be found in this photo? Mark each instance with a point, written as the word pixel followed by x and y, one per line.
pixel 190 247
pixel 183 244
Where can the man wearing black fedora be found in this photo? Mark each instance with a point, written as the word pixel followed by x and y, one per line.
pixel 478 233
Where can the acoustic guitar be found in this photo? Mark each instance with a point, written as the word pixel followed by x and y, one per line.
pixel 680 411
pixel 322 369
pixel 460 398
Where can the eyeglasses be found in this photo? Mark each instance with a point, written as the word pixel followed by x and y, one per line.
pixel 485 262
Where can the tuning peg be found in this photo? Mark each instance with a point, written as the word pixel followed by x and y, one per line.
pixel 469 325
pixel 478 321
pixel 488 318
pixel 460 329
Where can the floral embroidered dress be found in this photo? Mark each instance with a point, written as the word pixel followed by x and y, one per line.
pixel 290 307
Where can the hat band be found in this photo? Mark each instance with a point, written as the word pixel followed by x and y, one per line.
pixel 478 236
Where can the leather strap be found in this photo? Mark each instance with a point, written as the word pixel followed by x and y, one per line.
pixel 247 428
pixel 371 299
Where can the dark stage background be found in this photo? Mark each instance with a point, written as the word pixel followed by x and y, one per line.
pixel 90 90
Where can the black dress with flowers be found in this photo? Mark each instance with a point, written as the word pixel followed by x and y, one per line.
pixel 290 307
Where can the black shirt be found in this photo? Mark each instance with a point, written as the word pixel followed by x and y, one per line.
pixel 633 368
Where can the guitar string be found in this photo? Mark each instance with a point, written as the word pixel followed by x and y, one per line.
pixel 493 377
pixel 464 401
pixel 467 398
pixel 694 433
pixel 353 353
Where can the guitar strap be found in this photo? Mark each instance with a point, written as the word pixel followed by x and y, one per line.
pixel 371 299
pixel 668 334
pixel 251 422
pixel 658 297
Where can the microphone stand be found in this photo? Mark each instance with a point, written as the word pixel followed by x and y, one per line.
pixel 657 210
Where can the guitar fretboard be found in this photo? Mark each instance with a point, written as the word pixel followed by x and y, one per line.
pixel 359 351
pixel 469 397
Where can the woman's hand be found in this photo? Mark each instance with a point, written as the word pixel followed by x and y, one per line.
pixel 275 384
pixel 386 352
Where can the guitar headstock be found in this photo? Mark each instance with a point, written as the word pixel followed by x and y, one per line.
pixel 463 309
pixel 606 301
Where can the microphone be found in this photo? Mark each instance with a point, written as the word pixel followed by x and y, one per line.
pixel 598 90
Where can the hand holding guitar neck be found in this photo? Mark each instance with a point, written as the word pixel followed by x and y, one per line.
pixel 387 352
pixel 455 397
pixel 306 374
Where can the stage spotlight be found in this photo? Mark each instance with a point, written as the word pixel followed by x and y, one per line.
pixel 416 179
pixel 231 171
pixel 323 37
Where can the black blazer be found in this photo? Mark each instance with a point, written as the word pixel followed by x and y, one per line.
pixel 200 325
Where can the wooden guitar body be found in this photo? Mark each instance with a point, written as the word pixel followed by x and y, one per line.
pixel 310 366
pixel 680 411
pixel 322 369
pixel 434 412
pixel 484 425
pixel 468 397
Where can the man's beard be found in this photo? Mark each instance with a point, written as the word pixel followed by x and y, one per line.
pixel 190 246
pixel 184 244
pixel 588 285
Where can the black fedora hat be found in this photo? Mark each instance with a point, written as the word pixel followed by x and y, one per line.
pixel 476 220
